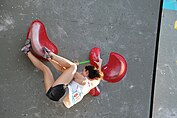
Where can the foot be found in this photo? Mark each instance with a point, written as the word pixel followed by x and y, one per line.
pixel 25 49
pixel 46 53
pixel 28 42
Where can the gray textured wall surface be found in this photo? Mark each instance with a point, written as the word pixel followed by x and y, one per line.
pixel 165 105
pixel 75 26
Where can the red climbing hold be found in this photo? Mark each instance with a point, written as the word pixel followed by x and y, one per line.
pixel 115 69
pixel 95 91
pixel 38 36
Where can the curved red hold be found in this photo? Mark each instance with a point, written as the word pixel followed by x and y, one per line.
pixel 95 91
pixel 94 54
pixel 115 69
pixel 38 36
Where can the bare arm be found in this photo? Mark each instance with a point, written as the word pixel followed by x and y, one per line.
pixel 95 83
pixel 99 63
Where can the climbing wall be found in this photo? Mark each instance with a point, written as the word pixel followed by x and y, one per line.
pixel 128 27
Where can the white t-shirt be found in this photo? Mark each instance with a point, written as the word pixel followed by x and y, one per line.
pixel 77 91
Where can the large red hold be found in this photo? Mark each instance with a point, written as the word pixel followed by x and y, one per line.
pixel 115 69
pixel 38 36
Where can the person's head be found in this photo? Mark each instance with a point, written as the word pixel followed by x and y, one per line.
pixel 92 72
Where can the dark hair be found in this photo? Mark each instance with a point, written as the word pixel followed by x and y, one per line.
pixel 93 72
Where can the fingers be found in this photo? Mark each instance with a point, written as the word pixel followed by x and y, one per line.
pixel 97 62
pixel 99 56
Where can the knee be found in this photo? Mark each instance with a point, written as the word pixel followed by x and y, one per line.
pixel 74 67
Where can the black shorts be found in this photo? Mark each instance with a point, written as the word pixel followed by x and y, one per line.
pixel 56 92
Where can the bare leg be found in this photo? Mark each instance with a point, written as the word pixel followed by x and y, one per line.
pixel 48 76
pixel 57 65
pixel 61 60
pixel 67 76
pixel 59 68
pixel 64 65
